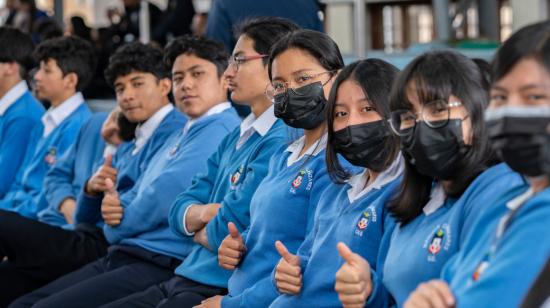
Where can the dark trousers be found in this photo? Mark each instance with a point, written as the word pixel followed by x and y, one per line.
pixel 123 271
pixel 176 292
pixel 38 253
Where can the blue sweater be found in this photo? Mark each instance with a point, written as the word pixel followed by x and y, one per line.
pixel 66 178
pixel 360 224
pixel 511 269
pixel 144 222
pixel 16 125
pixel 231 179
pixel 419 250
pixel 129 168
pixel 26 195
pixel 282 208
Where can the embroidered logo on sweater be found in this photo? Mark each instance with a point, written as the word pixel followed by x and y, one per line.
pixel 367 217
pixel 437 241
pixel 303 175
pixel 50 158
pixel 235 177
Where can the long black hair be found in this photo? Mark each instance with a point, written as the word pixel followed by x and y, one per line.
pixel 375 77
pixel 438 75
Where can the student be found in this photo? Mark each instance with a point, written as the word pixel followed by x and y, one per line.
pixel 302 67
pixel 20 112
pixel 353 209
pixel 54 237
pixel 437 107
pixel 509 247
pixel 144 251
pixel 65 69
pixel 234 172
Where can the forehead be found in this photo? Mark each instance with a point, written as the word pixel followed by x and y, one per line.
pixel 245 45
pixel 525 72
pixel 187 61
pixel 293 60
pixel 134 76
pixel 349 91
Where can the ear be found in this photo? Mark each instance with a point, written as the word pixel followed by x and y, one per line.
pixel 165 85
pixel 71 80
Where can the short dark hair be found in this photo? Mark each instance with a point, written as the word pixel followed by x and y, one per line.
pixel 317 44
pixel 438 75
pixel 72 54
pixel 265 32
pixel 201 47
pixel 532 41
pixel 17 47
pixel 375 77
pixel 136 57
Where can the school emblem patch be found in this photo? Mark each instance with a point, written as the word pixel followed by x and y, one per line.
pixel 367 217
pixel 50 158
pixel 304 175
pixel 235 177
pixel 298 180
pixel 439 240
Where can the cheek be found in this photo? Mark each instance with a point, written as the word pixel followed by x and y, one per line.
pixel 339 123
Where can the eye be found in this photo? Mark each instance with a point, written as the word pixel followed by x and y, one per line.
pixel 278 86
pixel 340 114
pixel 197 74
pixel 119 91
pixel 303 78
pixel 177 80
pixel 137 84
pixel 535 97
pixel 367 109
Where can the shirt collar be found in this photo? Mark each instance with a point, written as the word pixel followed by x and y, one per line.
pixel 262 124
pixel 515 203
pixel 145 130
pixel 296 147
pixel 55 115
pixel 218 108
pixel 437 199
pixel 357 182
pixel 12 96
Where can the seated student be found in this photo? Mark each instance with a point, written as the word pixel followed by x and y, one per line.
pixel 20 112
pixel 23 239
pixel 144 101
pixel 144 250
pixel 354 209
pixel 437 106
pixel 302 67
pixel 66 64
pixel 509 246
pixel 234 172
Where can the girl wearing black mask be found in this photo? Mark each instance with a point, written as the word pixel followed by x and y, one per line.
pixel 510 246
pixel 437 110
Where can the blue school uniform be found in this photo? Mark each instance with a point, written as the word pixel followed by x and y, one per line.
pixel 282 208
pixel 353 214
pixel 62 125
pixel 66 178
pixel 505 252
pixel 20 113
pixel 233 174
pixel 419 250
pixel 131 160
pixel 144 222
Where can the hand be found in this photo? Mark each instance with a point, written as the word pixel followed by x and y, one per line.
pixel 199 215
pixel 96 184
pixel 67 208
pixel 111 209
pixel 288 273
pixel 232 248
pixel 201 237
pixel 434 294
pixel 212 302
pixel 353 281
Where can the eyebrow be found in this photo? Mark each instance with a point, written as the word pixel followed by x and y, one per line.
pixel 137 78
pixel 192 68
pixel 295 73
pixel 523 88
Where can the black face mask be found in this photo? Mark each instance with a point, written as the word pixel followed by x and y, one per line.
pixel 436 152
pixel 521 140
pixel 364 145
pixel 305 110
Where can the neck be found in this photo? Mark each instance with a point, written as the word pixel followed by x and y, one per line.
pixel 61 98
pixel 540 183
pixel 372 176
pixel 311 136
pixel 9 83
pixel 260 106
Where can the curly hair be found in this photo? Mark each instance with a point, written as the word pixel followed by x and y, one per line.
pixel 201 47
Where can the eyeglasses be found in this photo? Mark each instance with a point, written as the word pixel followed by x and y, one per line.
pixel 237 60
pixel 435 114
pixel 279 87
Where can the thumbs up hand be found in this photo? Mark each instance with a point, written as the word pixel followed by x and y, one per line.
pixel 232 248
pixel 288 273
pixel 96 184
pixel 353 280
pixel 111 209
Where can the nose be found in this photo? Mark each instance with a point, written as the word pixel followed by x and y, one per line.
pixel 229 72
pixel 38 75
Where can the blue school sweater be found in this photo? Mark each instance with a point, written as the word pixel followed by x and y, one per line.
pixel 66 178
pixel 144 222
pixel 419 250
pixel 16 125
pixel 360 224
pixel 481 277
pixel 282 208
pixel 129 167
pixel 26 195
pixel 231 179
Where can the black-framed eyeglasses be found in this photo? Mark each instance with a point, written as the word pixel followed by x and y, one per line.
pixel 237 60
pixel 435 114
pixel 281 87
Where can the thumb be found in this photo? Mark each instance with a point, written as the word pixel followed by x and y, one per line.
pixel 110 187
pixel 286 255
pixel 349 256
pixel 108 161
pixel 233 231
